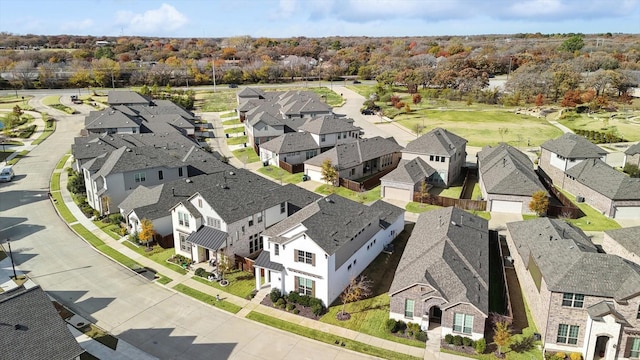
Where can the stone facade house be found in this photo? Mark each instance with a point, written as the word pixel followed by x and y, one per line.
pixel 581 300
pixel 443 275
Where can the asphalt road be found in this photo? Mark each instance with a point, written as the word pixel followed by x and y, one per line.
pixel 159 321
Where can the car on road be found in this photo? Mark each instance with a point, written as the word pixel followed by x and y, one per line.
pixel 356 82
pixel 6 174
pixel 233 86
pixel 367 112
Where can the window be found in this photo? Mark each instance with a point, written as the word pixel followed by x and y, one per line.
pixel 323 138
pixel 431 157
pixel 180 171
pixel 442 159
pixel 283 208
pixel 339 134
pixel 408 308
pixel 140 177
pixel 214 223
pixel 250 220
pixel 160 175
pixel 255 243
pixel 276 249
pixel 568 334
pixel 259 218
pixel 199 203
pixel 311 153
pixel 184 244
pixel 353 172
pixel 305 257
pixel 635 348
pixel 572 300
pixel 183 218
pixel 304 286
pixel 638 314
pixel 437 158
pixel 462 323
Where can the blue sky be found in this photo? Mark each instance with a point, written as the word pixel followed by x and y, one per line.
pixel 316 18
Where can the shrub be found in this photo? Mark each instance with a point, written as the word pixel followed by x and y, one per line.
pixel 304 300
pixel 421 336
pixel 116 218
pixel 575 356
pixel 413 328
pixel 315 301
pixel 200 272
pixel 560 355
pixel 481 346
pixel 281 303
pixel 457 340
pixel 290 306
pixel 274 295
pixel 467 341
pixel 293 297
pixel 448 339
pixel 401 325
pixel 317 309
pixel 296 311
pixel 523 344
pixel 391 325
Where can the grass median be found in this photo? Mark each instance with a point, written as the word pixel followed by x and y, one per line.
pixel 62 208
pixel 104 248
pixel 208 299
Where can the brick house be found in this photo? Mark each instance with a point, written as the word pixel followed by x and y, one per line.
pixel 623 242
pixel 443 275
pixel 581 300
pixel 406 180
pixel 632 155
pixel 561 154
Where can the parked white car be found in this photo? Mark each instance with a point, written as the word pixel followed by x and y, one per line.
pixel 7 174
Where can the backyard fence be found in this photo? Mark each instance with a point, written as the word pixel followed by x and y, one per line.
pixel 465 204
pixel 291 168
pixel 366 184
pixel 568 209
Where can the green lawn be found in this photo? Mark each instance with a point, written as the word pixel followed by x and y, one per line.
pixel 593 219
pixel 327 338
pixel 416 207
pixel 229 115
pixel 221 100
pixel 603 122
pixel 208 299
pixel 62 208
pixel 363 197
pixel 104 248
pixel 246 155
pixel 62 161
pixel 55 182
pixel 453 192
pixel 279 174
pixel 110 229
pixel 54 102
pixel 232 122
pixel 164 280
pixel 237 140
pixel 477 192
pixel 9 101
pixel 158 255
pixel 234 130
pixel 241 283
pixel 48 130
pixel 17 158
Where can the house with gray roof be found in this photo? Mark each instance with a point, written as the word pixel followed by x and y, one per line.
pixel 632 155
pixel 357 159
pixel 444 151
pixel 410 178
pixel 30 327
pixel 623 242
pixel 507 179
pixel 561 154
pixel 319 249
pixel 581 300
pixel 126 97
pixel 111 121
pixel 226 212
pixel 606 189
pixel 443 275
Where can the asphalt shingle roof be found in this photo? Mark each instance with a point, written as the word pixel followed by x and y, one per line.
pixel 110 118
pixel 598 176
pixel 40 334
pixel 628 237
pixel 351 154
pixel 506 170
pixel 573 146
pixel 633 149
pixel 264 261
pixel 448 250
pixel 117 97
pixel 410 172
pixel 436 142
pixel 328 124
pixel 291 142
pixel 569 262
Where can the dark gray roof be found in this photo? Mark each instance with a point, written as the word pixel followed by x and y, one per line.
pixel 573 146
pixel 117 97
pixel 144 197
pixel 603 308
pixel 351 154
pixel 633 149
pixel 629 238
pixel 410 172
pixel 142 157
pixel 506 170
pixel 110 118
pixel 208 238
pixel 569 262
pixel 291 142
pixel 328 124
pixel 264 261
pixel 598 176
pixel 264 117
pixel 448 250
pixel 41 332
pixel 333 221
pixel 437 142
pixel 162 107
pixel 250 92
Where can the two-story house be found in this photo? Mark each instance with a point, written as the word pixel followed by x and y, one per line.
pixel 444 151
pixel 632 155
pixel 228 211
pixel 111 121
pixel 443 275
pixel 411 177
pixel 581 300
pixel 624 242
pixel 319 249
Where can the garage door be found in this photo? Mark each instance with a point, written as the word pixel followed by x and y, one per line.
pixel 314 174
pixel 506 206
pixel 398 194
pixel 627 212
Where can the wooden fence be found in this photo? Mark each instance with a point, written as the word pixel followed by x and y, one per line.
pixel 367 184
pixel 465 204
pixel 291 168
pixel 568 209
pixel 244 264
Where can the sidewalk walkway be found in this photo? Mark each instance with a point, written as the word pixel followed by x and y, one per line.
pixel 28 143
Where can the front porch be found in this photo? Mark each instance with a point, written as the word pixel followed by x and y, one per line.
pixel 268 273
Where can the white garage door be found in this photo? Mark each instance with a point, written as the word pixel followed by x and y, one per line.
pixel 398 194
pixel 506 206
pixel 627 212
pixel 314 174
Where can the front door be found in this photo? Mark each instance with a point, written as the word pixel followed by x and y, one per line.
pixel 435 314
pixel 601 347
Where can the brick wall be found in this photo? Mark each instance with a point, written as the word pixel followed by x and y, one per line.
pixel 556 175
pixel 591 197
pixel 610 246
pixel 463 308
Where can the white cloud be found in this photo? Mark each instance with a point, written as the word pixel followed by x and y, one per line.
pixel 155 21
pixel 75 26
pixel 287 8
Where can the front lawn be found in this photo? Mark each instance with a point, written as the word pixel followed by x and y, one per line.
pixel 416 207
pixel 229 115
pixel 246 155
pixel 104 248
pixel 234 130
pixel 110 229
pixel 157 254
pixel 237 140
pixel 221 100
pixel 208 299
pixel 54 102
pixel 362 197
pixel 241 283
pixel 604 122
pixel 232 122
pixel 281 175
pixel 593 219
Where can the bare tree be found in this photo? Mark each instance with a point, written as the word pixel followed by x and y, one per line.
pixel 358 289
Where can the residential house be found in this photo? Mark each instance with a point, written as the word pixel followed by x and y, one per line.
pixel 606 189
pixel 443 275
pixel 411 177
pixel 623 242
pixel 319 249
pixel 632 155
pixel 357 159
pixel 126 97
pixel 228 211
pixel 580 300
pixel 507 179
pixel 443 151
pixel 111 121
pixel 561 154
pixel 30 327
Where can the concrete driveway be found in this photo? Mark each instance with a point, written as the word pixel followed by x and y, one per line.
pixel 499 220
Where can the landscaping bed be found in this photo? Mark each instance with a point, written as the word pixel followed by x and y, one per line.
pixel 294 303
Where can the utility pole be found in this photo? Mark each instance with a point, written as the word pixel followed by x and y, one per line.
pixel 15 276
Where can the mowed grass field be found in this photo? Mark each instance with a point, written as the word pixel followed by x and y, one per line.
pixel 627 126
pixel 482 128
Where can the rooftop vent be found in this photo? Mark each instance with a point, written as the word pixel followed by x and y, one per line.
pixel 189 181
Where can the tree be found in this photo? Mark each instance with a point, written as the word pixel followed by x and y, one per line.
pixel 539 202
pixel 539 100
pixel 501 335
pixel 424 190
pixel 146 232
pixel 329 172
pixel 358 289
pixel 417 128
pixel 503 131
pixel 225 264
pixel 416 98
pixel 572 44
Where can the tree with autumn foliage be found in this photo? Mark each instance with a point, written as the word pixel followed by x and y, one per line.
pixel 358 289
pixel 146 232
pixel 501 335
pixel 539 202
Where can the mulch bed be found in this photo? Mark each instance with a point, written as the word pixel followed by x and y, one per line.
pixel 461 349
pixel 304 310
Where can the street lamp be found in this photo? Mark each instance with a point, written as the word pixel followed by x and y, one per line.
pixel 15 276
